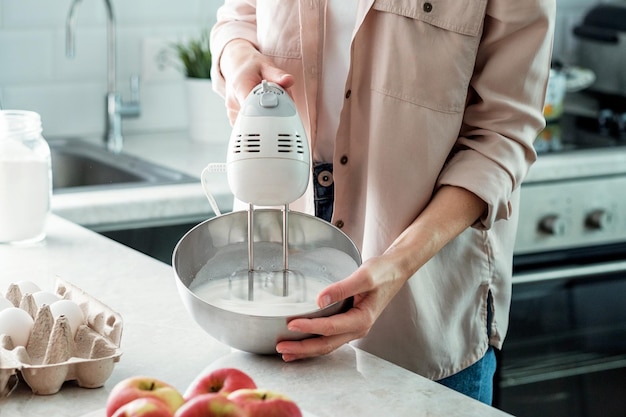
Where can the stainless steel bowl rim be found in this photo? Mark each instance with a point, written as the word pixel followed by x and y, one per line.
pixel 253 333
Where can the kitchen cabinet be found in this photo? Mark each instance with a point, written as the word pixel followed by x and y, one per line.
pixel 156 241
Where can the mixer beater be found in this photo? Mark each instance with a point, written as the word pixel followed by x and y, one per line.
pixel 268 163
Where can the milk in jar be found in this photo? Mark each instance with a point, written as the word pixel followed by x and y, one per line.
pixel 25 177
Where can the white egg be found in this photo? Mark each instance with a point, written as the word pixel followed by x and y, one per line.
pixel 4 303
pixel 16 323
pixel 27 287
pixel 45 297
pixel 72 312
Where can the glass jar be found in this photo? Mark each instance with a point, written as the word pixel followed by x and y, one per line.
pixel 25 177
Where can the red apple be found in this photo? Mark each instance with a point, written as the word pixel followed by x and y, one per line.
pixel 223 381
pixel 210 405
pixel 265 403
pixel 132 388
pixel 143 407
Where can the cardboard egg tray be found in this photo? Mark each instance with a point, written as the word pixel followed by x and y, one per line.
pixel 51 355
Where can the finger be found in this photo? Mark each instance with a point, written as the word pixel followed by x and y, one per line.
pixel 355 321
pixel 311 347
pixel 286 81
pixel 232 108
pixel 357 283
pixel 232 116
pixel 276 75
pixel 243 88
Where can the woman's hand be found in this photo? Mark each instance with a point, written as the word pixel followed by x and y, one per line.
pixel 372 285
pixel 243 68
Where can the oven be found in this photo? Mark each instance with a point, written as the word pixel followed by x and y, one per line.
pixel 565 352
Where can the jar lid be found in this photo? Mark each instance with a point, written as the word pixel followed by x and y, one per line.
pixel 19 122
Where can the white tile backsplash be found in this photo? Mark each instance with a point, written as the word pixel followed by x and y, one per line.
pixel 66 109
pixel 150 12
pixel 89 62
pixel 69 93
pixel 26 56
pixel 35 73
pixel 37 14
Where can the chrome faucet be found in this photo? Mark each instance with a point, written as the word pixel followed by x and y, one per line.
pixel 116 109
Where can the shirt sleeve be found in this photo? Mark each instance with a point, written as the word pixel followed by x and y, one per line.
pixel 504 111
pixel 236 19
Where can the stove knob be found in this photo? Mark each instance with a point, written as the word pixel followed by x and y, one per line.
pixel 553 225
pixel 620 120
pixel 605 118
pixel 598 219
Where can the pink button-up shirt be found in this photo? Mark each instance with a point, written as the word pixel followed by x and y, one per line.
pixel 439 92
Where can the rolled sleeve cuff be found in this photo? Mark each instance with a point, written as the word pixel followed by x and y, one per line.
pixel 486 179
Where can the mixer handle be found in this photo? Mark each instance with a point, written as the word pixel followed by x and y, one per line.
pixel 210 169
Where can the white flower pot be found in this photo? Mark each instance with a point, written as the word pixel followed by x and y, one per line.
pixel 208 121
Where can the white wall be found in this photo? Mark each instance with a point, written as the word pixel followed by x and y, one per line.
pixel 69 94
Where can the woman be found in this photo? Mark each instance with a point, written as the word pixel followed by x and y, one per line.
pixel 421 117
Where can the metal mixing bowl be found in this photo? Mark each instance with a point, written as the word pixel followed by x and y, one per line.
pixel 250 333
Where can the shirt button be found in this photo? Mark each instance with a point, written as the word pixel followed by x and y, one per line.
pixel 344 160
pixel 339 223
pixel 348 93
pixel 325 178
pixel 428 7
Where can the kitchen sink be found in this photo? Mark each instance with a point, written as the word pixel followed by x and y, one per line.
pixel 81 166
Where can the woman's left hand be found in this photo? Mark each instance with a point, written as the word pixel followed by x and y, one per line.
pixel 372 285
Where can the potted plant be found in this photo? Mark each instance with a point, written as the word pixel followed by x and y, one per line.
pixel 195 57
pixel 207 115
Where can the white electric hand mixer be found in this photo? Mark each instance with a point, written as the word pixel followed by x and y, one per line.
pixel 268 161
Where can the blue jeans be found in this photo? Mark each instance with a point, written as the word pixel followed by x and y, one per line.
pixel 475 381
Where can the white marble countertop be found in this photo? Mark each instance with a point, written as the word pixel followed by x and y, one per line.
pixel 161 340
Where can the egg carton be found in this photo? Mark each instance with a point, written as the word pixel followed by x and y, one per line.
pixel 52 356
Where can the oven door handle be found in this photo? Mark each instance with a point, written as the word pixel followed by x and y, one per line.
pixel 573 272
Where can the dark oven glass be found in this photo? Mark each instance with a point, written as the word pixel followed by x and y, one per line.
pixel 565 353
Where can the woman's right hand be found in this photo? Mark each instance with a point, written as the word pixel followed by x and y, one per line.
pixel 243 68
